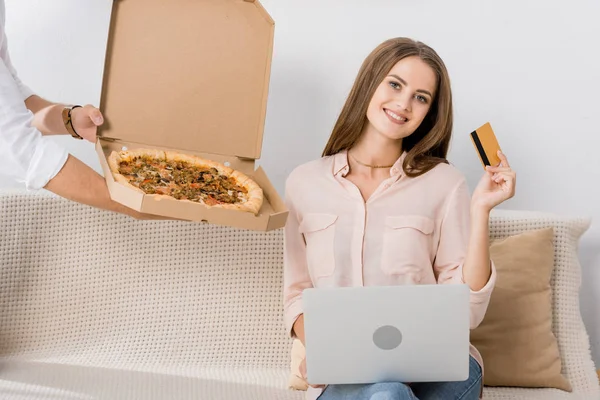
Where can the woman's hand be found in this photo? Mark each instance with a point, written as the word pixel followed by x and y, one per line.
pixel 496 186
pixel 303 373
pixel 86 121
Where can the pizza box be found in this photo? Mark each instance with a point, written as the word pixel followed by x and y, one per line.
pixel 190 76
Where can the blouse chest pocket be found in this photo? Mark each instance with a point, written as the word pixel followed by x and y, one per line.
pixel 319 234
pixel 407 244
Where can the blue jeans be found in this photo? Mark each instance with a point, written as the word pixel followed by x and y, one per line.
pixel 464 390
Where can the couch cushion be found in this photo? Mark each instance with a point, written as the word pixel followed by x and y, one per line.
pixel 565 281
pixel 33 380
pixel 506 393
pixel 104 289
pixel 515 338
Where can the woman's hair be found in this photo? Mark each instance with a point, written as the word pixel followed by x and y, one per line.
pixel 428 145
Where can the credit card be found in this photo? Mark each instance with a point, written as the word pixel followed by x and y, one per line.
pixel 486 144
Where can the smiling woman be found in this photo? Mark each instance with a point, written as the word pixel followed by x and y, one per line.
pixel 384 207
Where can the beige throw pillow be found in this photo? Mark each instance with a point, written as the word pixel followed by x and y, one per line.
pixel 515 338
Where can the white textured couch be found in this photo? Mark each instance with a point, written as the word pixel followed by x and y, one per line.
pixel 95 305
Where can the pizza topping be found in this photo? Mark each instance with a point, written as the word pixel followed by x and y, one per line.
pixel 182 181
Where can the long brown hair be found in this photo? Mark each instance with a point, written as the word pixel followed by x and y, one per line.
pixel 428 145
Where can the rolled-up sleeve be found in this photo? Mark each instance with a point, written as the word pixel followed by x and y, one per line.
pixel 296 277
pixel 25 155
pixel 452 249
pixel 26 92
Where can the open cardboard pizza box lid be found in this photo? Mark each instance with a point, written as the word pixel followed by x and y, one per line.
pixel 190 76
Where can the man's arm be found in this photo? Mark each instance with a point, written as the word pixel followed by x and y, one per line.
pixel 47 118
pixel 78 182
pixel 30 158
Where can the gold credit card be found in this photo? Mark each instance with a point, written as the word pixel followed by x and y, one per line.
pixel 486 144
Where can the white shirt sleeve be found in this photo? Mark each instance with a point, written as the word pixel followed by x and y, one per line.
pixel 25 155
pixel 25 91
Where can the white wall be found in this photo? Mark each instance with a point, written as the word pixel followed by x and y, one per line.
pixel 530 67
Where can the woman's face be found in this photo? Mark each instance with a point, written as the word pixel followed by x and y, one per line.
pixel 403 99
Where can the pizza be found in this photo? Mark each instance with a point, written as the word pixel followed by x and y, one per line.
pixel 185 178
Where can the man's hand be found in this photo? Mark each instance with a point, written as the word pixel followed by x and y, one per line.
pixel 86 121
pixel 48 119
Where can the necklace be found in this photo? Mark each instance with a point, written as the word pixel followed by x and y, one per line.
pixel 369 165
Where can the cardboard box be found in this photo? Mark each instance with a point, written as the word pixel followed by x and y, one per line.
pixel 190 76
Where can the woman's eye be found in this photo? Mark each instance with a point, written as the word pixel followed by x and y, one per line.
pixel 422 99
pixel 394 85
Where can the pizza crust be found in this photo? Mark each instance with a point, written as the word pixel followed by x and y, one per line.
pixel 254 196
pixel 114 160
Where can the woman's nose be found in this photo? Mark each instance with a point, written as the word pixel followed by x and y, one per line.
pixel 403 101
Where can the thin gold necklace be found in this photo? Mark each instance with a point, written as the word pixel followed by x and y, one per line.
pixel 369 165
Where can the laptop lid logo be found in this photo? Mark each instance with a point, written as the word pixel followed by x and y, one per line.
pixel 387 337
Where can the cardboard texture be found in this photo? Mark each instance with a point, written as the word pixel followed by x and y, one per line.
pixel 190 76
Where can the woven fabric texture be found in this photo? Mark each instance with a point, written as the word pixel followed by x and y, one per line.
pixel 197 307
pixel 567 325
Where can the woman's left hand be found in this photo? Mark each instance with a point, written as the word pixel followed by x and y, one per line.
pixel 496 185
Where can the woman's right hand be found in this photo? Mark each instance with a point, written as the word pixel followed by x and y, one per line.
pixel 303 373
pixel 299 332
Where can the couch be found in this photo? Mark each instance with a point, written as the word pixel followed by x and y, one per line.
pixel 96 305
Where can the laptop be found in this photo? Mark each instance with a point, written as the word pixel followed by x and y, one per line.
pixel 409 333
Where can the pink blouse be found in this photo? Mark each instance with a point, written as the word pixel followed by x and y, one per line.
pixel 410 231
